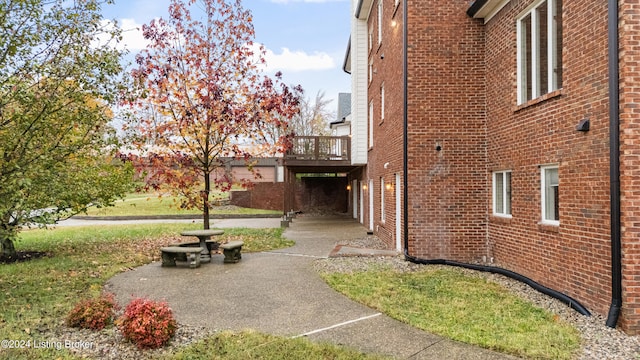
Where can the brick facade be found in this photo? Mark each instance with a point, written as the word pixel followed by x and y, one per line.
pixel 446 132
pixel 385 156
pixel 464 122
pixel 629 27
pixel 574 257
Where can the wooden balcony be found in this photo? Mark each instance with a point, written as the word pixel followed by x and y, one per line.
pixel 329 152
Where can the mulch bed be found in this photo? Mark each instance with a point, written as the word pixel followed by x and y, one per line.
pixel 22 256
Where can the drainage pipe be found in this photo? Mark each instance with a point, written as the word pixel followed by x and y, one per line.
pixel 614 166
pixel 574 304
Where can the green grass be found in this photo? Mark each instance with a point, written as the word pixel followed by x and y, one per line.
pixel 252 345
pixel 463 308
pixel 35 296
pixel 150 204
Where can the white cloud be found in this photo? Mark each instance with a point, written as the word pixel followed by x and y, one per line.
pixel 132 35
pixel 294 61
pixel 132 38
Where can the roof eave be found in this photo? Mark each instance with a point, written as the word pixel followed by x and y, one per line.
pixel 486 9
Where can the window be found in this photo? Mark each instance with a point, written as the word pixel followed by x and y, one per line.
pixel 502 193
pixel 550 192
pixel 382 214
pixel 539 32
pixel 382 102
pixel 379 22
pixel 371 124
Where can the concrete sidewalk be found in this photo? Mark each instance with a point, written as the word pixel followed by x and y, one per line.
pixel 278 292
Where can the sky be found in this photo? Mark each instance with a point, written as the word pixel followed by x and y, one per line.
pixel 305 39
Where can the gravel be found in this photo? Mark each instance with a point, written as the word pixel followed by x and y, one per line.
pixel 110 344
pixel 598 341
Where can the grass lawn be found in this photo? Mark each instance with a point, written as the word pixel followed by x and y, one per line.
pixel 151 204
pixel 37 295
pixel 461 307
pixel 251 345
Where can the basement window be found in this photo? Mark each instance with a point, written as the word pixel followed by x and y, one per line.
pixel 550 187
pixel 502 193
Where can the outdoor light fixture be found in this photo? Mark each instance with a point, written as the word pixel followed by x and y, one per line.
pixel 583 125
pixel 388 186
pixel 348 187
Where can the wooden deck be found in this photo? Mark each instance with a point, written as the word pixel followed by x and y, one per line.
pixel 319 151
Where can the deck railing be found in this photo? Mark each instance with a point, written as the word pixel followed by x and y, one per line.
pixel 320 148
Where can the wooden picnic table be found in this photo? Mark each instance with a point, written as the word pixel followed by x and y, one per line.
pixel 203 236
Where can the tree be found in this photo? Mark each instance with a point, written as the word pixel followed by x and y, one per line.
pixel 313 118
pixel 55 87
pixel 202 98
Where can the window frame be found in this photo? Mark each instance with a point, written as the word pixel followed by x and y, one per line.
pixel 383 216
pixel 371 114
pixel 506 193
pixel 532 72
pixel 544 192
pixel 380 13
pixel 382 102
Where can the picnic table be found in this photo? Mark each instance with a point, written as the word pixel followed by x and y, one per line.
pixel 203 236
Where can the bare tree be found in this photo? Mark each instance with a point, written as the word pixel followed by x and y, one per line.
pixel 314 117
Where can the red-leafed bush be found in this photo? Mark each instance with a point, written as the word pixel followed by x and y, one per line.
pixel 94 314
pixel 147 323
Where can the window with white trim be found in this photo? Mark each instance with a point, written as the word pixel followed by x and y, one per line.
pixel 371 124
pixel 382 209
pixel 379 22
pixel 382 102
pixel 502 193
pixel 539 57
pixel 549 185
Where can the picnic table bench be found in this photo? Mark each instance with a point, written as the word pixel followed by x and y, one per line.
pixel 231 251
pixel 171 256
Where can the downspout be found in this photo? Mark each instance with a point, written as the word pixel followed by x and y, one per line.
pixel 614 167
pixel 405 132
pixel 574 304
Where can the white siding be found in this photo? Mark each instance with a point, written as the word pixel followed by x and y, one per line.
pixel 359 104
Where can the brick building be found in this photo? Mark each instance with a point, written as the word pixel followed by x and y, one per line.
pixel 489 138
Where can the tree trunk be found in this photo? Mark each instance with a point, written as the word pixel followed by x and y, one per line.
pixel 205 199
pixel 8 248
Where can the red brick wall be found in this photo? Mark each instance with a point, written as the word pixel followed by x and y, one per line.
pixel 386 59
pixel 261 196
pixel 574 257
pixel 630 162
pixel 447 132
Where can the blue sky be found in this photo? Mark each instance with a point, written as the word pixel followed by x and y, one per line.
pixel 305 39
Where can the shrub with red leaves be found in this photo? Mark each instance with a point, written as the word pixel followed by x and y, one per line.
pixel 94 314
pixel 147 323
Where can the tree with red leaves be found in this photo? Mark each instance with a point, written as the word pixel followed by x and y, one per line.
pixel 201 98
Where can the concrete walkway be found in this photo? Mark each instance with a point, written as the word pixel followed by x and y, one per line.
pixel 278 292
